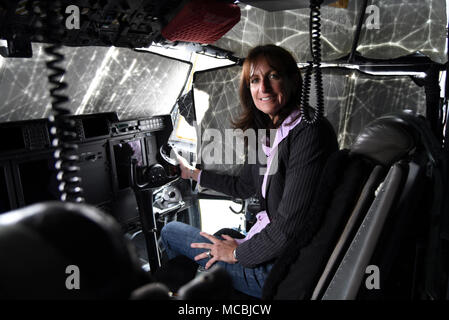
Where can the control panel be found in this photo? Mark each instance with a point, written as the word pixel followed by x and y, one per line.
pixel 120 23
pixel 134 126
pixel 30 135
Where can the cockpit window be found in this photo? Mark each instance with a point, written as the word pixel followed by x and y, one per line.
pixel 100 79
pixel 352 100
pixel 217 105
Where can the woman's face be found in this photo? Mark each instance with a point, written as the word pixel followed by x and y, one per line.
pixel 268 88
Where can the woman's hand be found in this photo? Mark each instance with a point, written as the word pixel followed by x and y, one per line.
pixel 187 171
pixel 220 250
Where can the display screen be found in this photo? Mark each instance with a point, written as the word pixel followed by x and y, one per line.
pixel 11 139
pixel 38 179
pixel 95 127
pixel 124 152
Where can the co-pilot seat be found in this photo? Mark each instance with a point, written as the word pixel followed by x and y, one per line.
pixel 353 222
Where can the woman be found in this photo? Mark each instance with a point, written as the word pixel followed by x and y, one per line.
pixel 270 89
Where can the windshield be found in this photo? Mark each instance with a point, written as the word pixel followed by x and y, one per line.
pixel 133 84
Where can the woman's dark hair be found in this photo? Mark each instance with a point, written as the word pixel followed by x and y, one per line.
pixel 283 62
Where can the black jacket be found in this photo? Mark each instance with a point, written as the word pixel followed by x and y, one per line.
pixel 301 158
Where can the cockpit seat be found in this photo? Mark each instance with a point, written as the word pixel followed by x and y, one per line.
pixel 364 203
pixel 55 250
pixel 58 250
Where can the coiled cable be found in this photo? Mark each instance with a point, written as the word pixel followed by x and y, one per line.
pixel 314 66
pixel 62 128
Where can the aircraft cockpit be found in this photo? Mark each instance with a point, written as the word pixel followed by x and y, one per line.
pixel 100 98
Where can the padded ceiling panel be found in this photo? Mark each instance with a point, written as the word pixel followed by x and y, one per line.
pixel 404 27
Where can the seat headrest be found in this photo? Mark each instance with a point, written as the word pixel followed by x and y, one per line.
pixel 40 244
pixel 386 139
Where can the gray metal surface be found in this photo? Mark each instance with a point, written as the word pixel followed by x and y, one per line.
pixel 349 275
pixel 367 192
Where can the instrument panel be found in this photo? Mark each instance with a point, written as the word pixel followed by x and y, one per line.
pixel 106 147
pixel 119 23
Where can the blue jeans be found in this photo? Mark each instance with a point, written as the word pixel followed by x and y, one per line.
pixel 176 238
